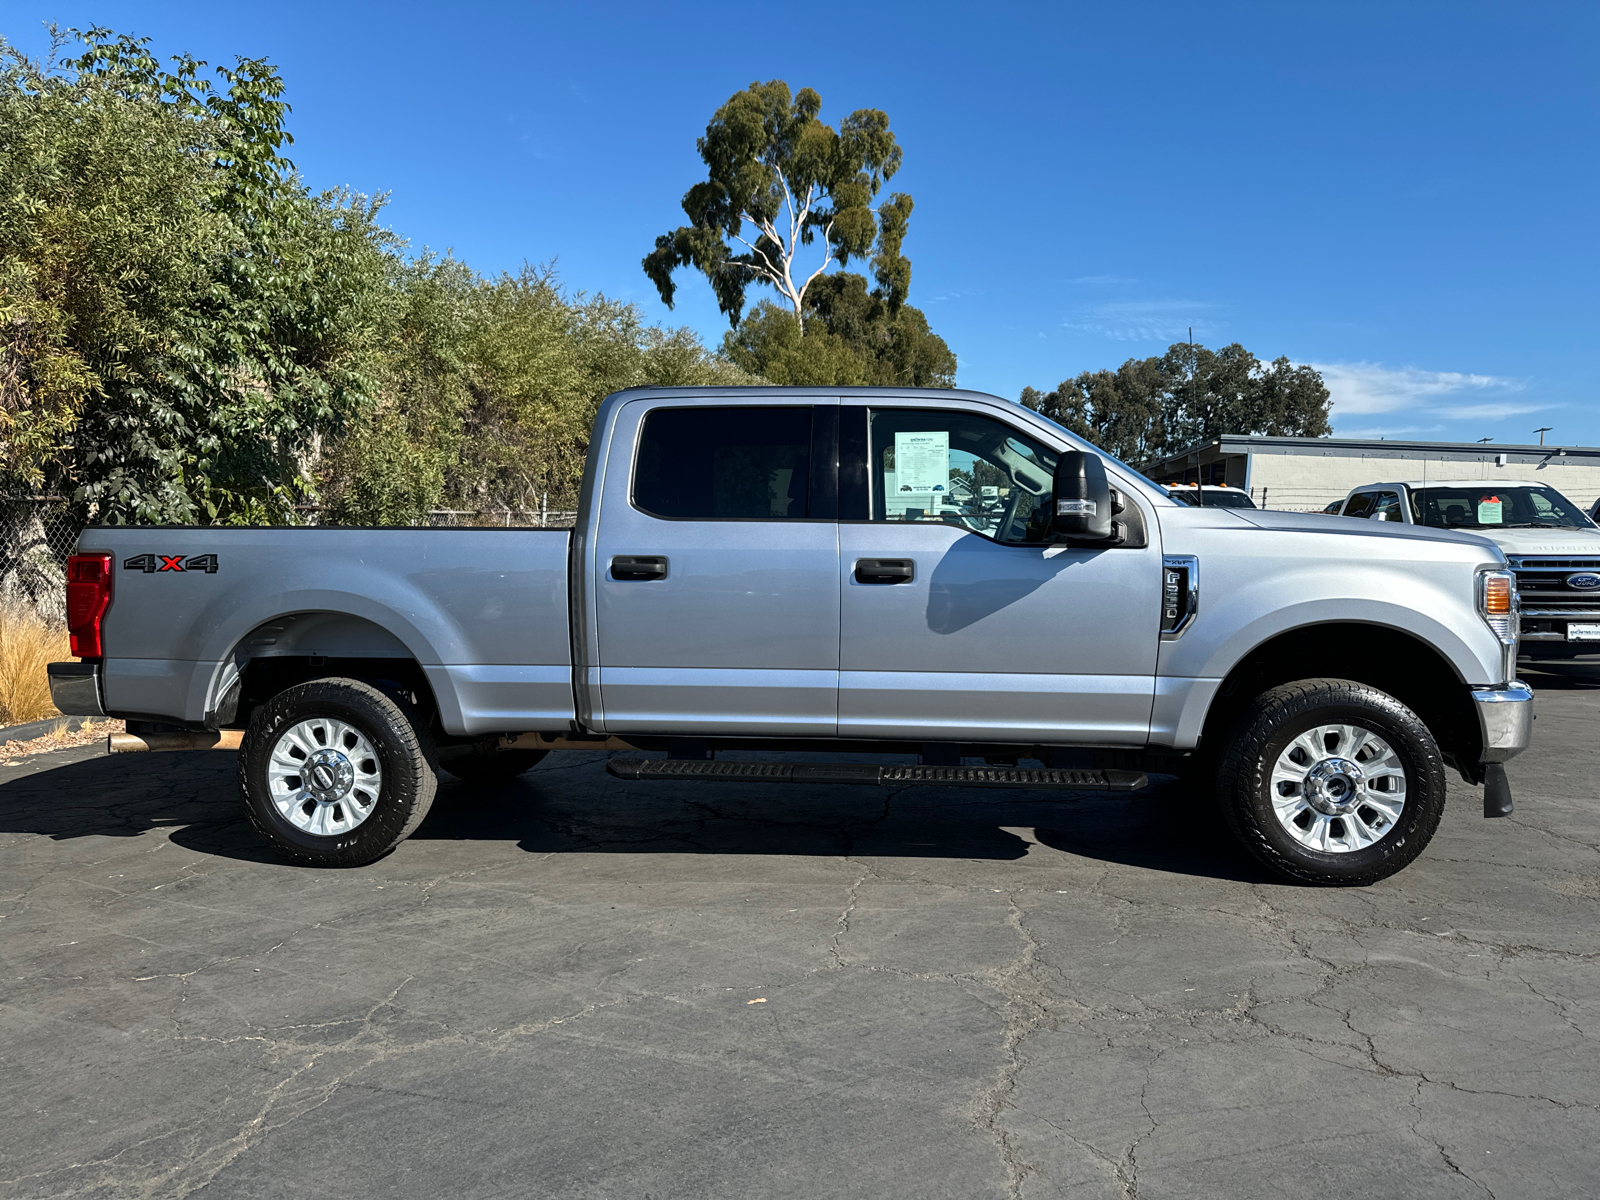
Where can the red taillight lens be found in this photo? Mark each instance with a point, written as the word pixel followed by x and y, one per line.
pixel 88 597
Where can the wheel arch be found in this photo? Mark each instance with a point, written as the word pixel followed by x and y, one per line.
pixel 1381 656
pixel 297 647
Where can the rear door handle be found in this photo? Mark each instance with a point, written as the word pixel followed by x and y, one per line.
pixel 884 570
pixel 638 568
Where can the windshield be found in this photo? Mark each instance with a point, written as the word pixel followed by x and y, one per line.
pixel 1491 506
pixel 1228 499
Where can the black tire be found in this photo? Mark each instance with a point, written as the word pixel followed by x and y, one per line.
pixel 404 754
pixel 1268 729
pixel 490 766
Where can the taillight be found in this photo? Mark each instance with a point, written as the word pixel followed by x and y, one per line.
pixel 88 597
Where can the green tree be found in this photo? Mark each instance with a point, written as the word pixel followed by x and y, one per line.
pixel 488 390
pixel 894 342
pixel 186 319
pixel 852 338
pixel 794 180
pixel 1121 411
pixel 1152 407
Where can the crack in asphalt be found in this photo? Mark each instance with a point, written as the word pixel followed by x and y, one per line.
pixel 1336 955
pixel 1027 1009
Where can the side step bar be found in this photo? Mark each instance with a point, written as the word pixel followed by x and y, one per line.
pixel 1036 778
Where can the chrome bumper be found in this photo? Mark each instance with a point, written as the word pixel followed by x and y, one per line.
pixel 75 688
pixel 1505 718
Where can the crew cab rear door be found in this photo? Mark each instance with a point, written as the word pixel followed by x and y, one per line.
pixel 961 618
pixel 716 570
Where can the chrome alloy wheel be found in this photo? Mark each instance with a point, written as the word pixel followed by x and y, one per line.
pixel 1338 788
pixel 324 776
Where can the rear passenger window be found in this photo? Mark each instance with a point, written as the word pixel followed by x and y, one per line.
pixel 745 463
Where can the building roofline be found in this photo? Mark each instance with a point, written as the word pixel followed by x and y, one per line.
pixel 1240 443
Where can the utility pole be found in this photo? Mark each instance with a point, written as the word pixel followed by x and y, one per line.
pixel 1194 376
pixel 1542 430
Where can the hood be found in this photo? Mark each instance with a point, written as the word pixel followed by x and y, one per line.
pixel 1546 541
pixel 1267 518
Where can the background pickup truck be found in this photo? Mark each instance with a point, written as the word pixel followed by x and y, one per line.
pixel 939 574
pixel 1552 546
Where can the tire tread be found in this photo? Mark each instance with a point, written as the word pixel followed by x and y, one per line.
pixel 1241 759
pixel 410 740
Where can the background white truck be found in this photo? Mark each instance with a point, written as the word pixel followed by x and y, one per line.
pixel 1550 544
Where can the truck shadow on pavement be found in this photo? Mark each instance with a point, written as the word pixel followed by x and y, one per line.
pixel 569 805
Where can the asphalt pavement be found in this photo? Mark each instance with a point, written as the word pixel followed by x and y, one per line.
pixel 573 986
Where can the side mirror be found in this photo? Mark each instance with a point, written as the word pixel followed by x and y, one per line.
pixel 1082 498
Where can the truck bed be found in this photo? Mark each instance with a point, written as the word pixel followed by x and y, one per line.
pixel 483 611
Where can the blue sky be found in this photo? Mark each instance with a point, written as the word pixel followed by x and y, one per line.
pixel 1403 194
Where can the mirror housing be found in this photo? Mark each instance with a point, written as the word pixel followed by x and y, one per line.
pixel 1082 499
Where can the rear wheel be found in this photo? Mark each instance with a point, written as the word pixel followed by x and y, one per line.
pixel 336 773
pixel 1332 782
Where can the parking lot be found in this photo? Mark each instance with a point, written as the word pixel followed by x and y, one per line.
pixel 578 987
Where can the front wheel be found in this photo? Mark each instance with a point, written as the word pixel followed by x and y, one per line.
pixel 1332 782
pixel 336 773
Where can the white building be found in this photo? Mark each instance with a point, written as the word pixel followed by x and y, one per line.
pixel 1306 473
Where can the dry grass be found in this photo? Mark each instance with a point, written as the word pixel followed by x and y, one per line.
pixel 26 645
pixel 12 754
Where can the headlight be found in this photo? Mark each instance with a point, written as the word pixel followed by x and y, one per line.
pixel 1497 601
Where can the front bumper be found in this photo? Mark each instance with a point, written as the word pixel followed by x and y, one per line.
pixel 1505 719
pixel 75 688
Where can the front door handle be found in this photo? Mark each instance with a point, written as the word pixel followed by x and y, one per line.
pixel 884 570
pixel 637 568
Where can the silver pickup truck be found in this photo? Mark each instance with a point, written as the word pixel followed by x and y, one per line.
pixel 941 579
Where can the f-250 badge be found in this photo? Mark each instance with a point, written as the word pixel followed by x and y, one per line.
pixel 150 563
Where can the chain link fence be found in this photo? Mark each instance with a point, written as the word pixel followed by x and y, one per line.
pixel 1292 499
pixel 476 518
pixel 36 535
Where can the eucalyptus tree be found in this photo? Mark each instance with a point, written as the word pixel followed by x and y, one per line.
pixel 786 197
pixel 1154 406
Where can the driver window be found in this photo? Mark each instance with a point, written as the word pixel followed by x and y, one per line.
pixel 957 468
pixel 1387 508
pixel 1360 505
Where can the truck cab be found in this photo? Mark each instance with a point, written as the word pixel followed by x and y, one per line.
pixel 1550 544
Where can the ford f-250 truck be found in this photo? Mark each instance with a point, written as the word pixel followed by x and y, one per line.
pixel 888 572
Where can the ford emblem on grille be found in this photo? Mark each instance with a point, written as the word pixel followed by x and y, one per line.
pixel 1584 581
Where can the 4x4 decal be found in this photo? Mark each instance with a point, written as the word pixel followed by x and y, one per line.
pixel 149 563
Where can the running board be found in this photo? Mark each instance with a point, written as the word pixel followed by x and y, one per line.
pixel 1036 778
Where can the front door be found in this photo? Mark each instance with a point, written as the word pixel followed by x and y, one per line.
pixel 960 619
pixel 716 571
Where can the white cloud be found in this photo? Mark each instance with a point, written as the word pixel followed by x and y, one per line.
pixel 1389 431
pixel 1478 412
pixel 1144 320
pixel 1359 388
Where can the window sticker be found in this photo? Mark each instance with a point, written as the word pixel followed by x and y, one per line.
pixel 1490 510
pixel 918 486
pixel 922 461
